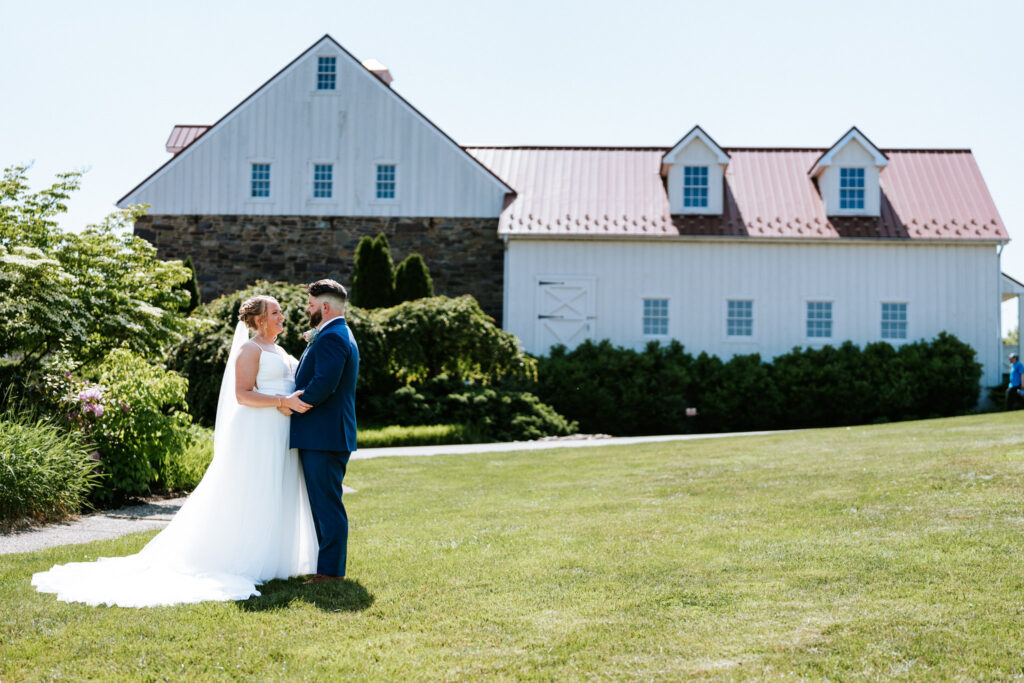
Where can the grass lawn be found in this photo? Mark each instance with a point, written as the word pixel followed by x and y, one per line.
pixel 892 551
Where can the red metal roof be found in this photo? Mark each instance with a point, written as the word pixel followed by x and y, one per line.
pixel 182 136
pixel 926 194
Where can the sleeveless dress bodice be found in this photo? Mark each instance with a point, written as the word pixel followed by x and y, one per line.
pixel 276 374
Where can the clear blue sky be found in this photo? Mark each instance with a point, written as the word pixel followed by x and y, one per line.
pixel 98 85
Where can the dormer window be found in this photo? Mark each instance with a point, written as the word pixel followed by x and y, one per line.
pixel 695 186
pixel 326 73
pixel 851 188
pixel 848 176
pixel 694 172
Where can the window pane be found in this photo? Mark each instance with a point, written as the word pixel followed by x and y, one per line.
pixel 739 318
pixel 326 73
pixel 819 318
pixel 655 320
pixel 260 180
pixel 385 181
pixel 894 321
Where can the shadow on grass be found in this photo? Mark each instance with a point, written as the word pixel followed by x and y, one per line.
pixel 340 596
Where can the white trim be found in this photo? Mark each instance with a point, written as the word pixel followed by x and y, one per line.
pixel 894 341
pixel 316 91
pixel 853 134
pixel 311 176
pixel 249 198
pixel 668 316
pixel 696 133
pixel 374 199
pixel 823 341
pixel 737 338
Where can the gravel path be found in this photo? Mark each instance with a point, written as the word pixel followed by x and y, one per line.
pixel 156 514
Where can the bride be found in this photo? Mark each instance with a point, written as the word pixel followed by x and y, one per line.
pixel 249 519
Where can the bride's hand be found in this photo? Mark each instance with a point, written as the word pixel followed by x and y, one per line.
pixel 296 404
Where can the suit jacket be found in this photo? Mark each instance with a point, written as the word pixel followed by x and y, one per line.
pixel 327 377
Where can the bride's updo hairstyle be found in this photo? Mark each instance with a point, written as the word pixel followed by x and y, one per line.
pixel 253 307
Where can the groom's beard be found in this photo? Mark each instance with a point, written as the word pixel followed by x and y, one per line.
pixel 315 317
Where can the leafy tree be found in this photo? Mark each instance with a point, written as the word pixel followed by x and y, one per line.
pixel 373 280
pixel 1012 337
pixel 412 280
pixel 191 286
pixel 92 291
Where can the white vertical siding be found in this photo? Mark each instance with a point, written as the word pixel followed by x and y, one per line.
pixel 290 124
pixel 946 287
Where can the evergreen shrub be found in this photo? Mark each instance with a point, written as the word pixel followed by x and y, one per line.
pixel 412 280
pixel 626 392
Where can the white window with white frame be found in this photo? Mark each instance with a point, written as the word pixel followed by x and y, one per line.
pixel 819 319
pixel 386 188
pixel 695 187
pixel 326 73
pixel 894 320
pixel 655 320
pixel 259 180
pixel 323 181
pixel 851 188
pixel 739 318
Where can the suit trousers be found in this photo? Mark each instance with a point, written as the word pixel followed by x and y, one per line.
pixel 324 472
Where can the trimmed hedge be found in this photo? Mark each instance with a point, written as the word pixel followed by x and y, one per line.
pixel 620 391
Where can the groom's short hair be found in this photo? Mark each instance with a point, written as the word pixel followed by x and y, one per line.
pixel 328 288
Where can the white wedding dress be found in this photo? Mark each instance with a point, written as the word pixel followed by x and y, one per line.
pixel 247 522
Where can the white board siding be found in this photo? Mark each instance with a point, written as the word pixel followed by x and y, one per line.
pixel 946 287
pixel 290 124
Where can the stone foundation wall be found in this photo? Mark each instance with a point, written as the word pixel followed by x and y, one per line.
pixel 464 255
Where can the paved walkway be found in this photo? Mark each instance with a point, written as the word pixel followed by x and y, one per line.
pixel 156 514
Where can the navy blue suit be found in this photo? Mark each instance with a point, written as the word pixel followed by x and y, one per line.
pixel 326 435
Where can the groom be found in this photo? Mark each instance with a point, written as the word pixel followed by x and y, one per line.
pixel 326 434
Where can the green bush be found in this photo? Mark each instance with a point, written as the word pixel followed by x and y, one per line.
pixel 412 280
pixel 373 274
pixel 417 435
pixel 94 290
pixel 185 469
pixel 137 420
pixel 494 414
pixel 622 391
pixel 46 472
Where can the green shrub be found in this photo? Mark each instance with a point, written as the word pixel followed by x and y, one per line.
pixel 185 469
pixel 373 274
pixel 622 391
pixel 494 414
pixel 412 280
pixel 136 418
pixel 417 435
pixel 46 472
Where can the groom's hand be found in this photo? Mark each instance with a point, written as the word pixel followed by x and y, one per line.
pixel 296 404
pixel 285 411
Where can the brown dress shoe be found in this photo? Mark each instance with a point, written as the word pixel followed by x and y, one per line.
pixel 323 578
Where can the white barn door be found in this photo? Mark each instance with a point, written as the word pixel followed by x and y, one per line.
pixel 565 311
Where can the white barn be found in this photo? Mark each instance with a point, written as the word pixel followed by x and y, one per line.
pixel 750 250
pixel 729 250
